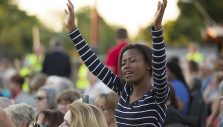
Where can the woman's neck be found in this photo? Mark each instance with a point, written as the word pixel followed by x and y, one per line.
pixel 139 90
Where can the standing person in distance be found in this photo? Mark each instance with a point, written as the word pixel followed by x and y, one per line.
pixel 142 84
pixel 111 59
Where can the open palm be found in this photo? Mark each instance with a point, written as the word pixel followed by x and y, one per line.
pixel 159 14
pixel 71 16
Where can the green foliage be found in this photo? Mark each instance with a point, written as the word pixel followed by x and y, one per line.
pixel 106 32
pixel 214 8
pixel 189 24
pixel 16 29
pixel 144 34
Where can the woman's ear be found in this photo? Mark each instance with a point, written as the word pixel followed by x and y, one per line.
pixel 148 67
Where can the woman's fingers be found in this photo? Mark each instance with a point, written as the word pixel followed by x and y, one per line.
pixel 71 4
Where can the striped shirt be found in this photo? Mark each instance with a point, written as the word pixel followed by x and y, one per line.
pixel 150 110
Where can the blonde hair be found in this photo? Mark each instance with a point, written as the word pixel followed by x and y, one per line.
pixel 86 115
pixel 109 100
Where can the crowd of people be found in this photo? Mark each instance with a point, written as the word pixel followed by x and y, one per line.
pixel 135 86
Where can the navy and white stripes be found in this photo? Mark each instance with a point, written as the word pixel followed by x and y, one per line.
pixel 150 110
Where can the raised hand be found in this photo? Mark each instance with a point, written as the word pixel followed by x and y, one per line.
pixel 159 14
pixel 71 16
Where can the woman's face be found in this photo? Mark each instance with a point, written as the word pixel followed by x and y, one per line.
pixel 67 120
pixel 133 67
pixel 41 100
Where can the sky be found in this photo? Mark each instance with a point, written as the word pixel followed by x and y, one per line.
pixel 131 14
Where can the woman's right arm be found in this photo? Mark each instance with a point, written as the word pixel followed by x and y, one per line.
pixel 89 57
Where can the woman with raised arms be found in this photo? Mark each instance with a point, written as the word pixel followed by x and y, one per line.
pixel 142 83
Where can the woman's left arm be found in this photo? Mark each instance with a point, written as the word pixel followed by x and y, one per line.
pixel 159 69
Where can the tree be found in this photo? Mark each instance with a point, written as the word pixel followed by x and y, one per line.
pixel 106 32
pixel 16 29
pixel 189 24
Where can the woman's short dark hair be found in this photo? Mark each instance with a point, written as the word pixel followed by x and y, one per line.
pixel 143 49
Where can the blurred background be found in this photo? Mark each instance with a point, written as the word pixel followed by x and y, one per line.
pixel 185 21
pixel 28 26
pixel 36 52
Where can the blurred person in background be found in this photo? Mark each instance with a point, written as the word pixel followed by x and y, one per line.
pixel 212 91
pixel 17 94
pixel 5 102
pixel 193 76
pixel 46 99
pixel 173 115
pixel 220 123
pixel 21 114
pixel 2 87
pixel 37 81
pixel 111 59
pixel 193 53
pixel 206 74
pixel 216 115
pixel 83 115
pixel 6 79
pixel 82 82
pixel 107 103
pixel 176 78
pixel 48 118
pixel 58 83
pixel 57 62
pixel 96 87
pixel 65 98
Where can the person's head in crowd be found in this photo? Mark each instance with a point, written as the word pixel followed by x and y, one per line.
pixel 46 98
pixel 21 114
pixel 175 72
pixel 192 48
pixel 121 34
pixel 56 44
pixel 83 115
pixel 5 102
pixel 15 85
pixel 107 103
pixel 37 81
pixel 48 118
pixel 175 59
pixel 59 83
pixel 65 98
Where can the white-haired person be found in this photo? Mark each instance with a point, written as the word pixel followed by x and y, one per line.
pixel 21 115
